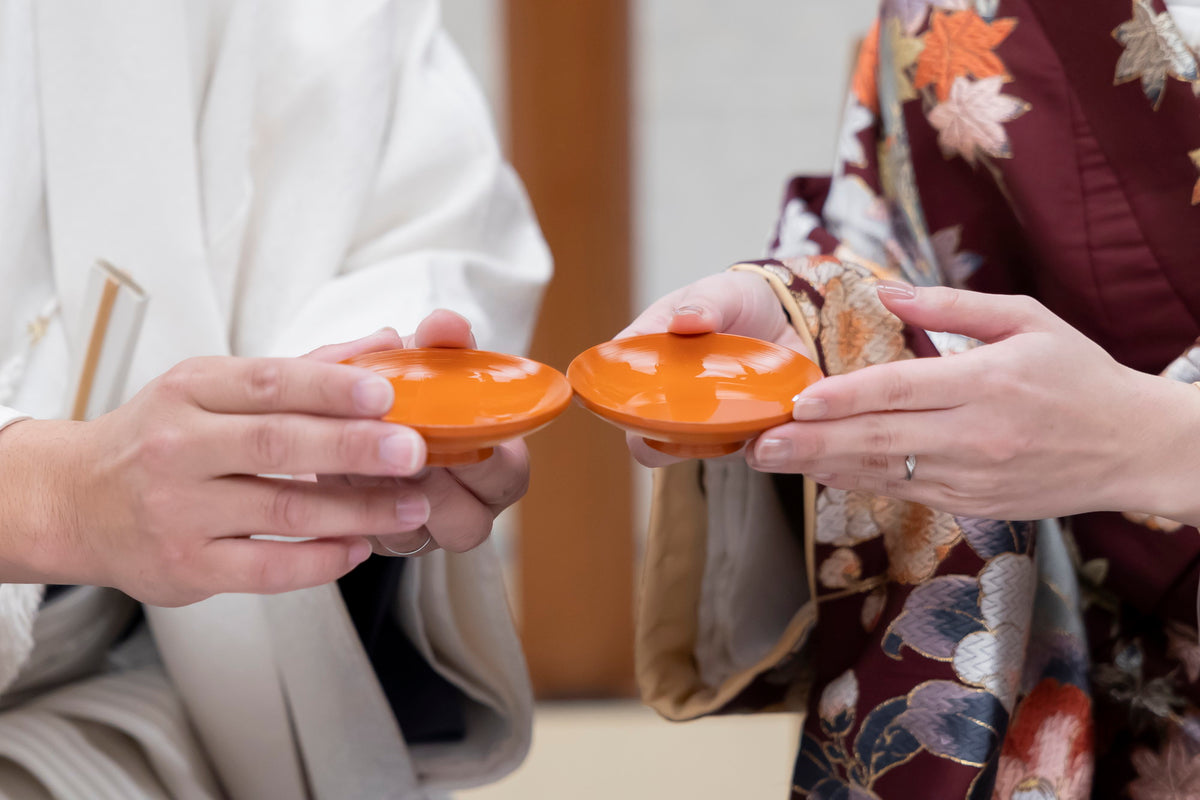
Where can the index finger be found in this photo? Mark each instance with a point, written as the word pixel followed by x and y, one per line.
pixel 228 385
pixel 918 384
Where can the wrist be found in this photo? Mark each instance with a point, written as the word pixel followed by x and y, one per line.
pixel 38 518
pixel 1165 463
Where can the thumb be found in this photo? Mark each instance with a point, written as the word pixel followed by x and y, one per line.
pixel 728 302
pixel 987 317
pixel 442 328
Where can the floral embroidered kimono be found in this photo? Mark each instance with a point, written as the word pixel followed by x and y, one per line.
pixel 1041 147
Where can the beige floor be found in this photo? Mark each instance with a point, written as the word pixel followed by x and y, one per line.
pixel 589 751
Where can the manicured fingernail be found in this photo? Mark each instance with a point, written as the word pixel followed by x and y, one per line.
pixel 809 407
pixel 773 453
pixel 823 477
pixel 412 511
pixel 358 553
pixel 896 290
pixel 373 396
pixel 685 311
pixel 402 451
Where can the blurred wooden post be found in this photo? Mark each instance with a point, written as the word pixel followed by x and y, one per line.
pixel 568 89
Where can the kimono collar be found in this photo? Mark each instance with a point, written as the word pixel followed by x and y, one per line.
pixel 1144 112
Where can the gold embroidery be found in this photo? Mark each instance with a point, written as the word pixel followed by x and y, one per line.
pixel 1195 156
pixel 1154 50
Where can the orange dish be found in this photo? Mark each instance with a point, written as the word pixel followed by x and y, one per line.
pixel 465 402
pixel 692 396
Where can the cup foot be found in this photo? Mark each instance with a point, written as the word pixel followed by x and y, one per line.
pixel 682 450
pixel 459 459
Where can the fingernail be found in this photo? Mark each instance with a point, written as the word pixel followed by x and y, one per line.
pixel 358 553
pixel 684 311
pixel 402 451
pixel 412 511
pixel 773 453
pixel 373 396
pixel 809 407
pixel 896 290
pixel 823 477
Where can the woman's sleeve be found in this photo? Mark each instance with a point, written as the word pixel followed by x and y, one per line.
pixel 729 583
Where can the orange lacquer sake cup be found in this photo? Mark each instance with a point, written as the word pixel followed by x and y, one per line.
pixel 465 402
pixel 691 396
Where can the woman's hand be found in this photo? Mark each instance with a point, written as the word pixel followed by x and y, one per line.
pixel 461 502
pixel 739 303
pixel 1039 421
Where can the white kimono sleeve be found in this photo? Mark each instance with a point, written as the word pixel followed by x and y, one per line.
pixel 18 602
pixel 447 223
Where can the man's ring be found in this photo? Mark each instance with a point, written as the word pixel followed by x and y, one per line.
pixel 428 540
pixel 910 466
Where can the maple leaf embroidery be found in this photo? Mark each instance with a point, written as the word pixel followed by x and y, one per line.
pixel 904 53
pixel 865 81
pixel 957 265
pixel 1173 774
pixel 1153 50
pixel 912 13
pixel 958 44
pixel 970 121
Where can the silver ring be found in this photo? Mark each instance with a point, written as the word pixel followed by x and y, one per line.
pixel 428 539
pixel 910 466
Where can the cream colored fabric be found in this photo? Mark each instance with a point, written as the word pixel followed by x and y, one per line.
pixel 727 590
pixel 119 737
pixel 455 611
pixel 755 573
pixel 707 625
pixel 72 635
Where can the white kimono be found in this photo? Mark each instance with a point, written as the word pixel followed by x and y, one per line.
pixel 277 175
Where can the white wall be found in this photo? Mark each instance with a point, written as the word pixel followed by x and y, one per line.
pixel 731 99
pixel 477 27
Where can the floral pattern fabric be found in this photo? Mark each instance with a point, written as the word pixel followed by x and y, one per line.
pixel 984 658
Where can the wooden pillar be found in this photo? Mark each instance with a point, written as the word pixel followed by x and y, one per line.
pixel 568 90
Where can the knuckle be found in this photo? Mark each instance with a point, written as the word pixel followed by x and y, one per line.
pixel 353 446
pixel 153 507
pixel 271 444
pixel 948 299
pixel 286 510
pixel 515 490
pixel 899 391
pixel 1028 306
pixel 265 383
pixel 270 575
pixel 514 487
pixel 162 447
pixel 468 536
pixel 874 462
pixel 880 438
pixel 809 445
pixel 374 511
pixel 178 379
pixel 999 449
pixel 173 562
